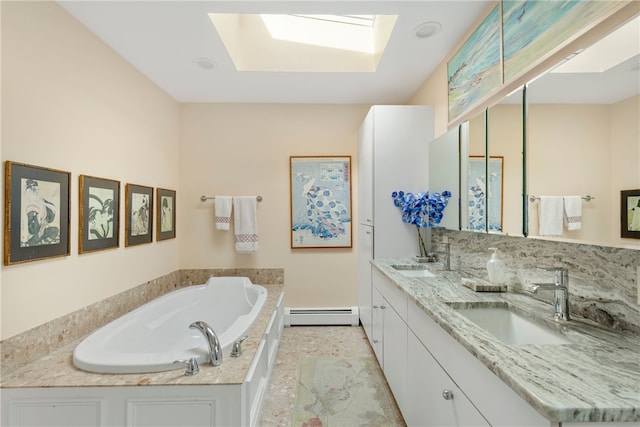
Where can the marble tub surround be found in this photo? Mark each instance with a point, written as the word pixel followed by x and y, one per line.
pixel 258 276
pixel 57 370
pixel 27 347
pixel 602 280
pixel 595 378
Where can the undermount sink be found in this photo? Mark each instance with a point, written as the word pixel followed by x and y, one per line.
pixel 511 328
pixel 413 270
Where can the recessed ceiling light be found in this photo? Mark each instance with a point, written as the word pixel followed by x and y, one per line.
pixel 204 63
pixel 428 29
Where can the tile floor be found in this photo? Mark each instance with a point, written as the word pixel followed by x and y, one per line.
pixel 298 342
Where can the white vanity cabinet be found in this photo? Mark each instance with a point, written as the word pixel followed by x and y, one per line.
pixel 433 399
pixel 471 382
pixel 390 333
pixel 435 380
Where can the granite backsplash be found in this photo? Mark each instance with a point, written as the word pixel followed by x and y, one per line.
pixel 602 280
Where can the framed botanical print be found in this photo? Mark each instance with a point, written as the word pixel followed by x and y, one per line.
pixel 630 214
pixel 320 202
pixel 99 214
pixel 166 216
pixel 36 213
pixel 138 215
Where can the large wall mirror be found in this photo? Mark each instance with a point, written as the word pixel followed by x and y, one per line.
pixel 444 174
pixel 473 182
pixel 492 169
pixel 505 168
pixel 583 139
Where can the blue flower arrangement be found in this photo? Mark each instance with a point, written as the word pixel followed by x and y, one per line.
pixel 423 210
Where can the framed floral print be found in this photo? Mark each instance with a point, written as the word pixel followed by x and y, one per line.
pixel 99 214
pixel 166 216
pixel 36 213
pixel 138 215
pixel 320 202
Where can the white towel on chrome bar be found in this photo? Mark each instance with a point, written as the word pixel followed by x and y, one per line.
pixel 550 212
pixel 573 212
pixel 223 212
pixel 245 223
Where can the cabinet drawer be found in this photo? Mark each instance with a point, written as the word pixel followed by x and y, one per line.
pixel 395 296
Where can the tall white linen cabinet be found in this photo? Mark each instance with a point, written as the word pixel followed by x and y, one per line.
pixel 393 152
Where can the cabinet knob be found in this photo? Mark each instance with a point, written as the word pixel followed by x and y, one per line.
pixel 383 307
pixel 375 306
pixel 447 394
pixel 375 341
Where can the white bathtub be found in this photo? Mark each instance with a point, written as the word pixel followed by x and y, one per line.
pixel 153 336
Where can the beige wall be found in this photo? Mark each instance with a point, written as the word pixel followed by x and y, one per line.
pixel 70 103
pixel 244 149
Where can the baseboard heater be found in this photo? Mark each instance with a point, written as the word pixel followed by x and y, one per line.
pixel 321 316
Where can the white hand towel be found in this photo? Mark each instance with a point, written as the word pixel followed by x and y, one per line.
pixel 223 212
pixel 245 223
pixel 550 211
pixel 573 212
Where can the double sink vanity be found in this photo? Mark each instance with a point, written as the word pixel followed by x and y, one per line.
pixel 453 356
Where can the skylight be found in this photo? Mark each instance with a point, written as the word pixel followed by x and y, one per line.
pixel 304 43
pixel 346 32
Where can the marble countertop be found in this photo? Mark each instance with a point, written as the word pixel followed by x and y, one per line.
pixel 595 378
pixel 57 369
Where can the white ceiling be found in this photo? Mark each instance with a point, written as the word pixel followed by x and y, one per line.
pixel 163 38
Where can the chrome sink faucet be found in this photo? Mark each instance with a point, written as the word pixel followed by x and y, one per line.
pixel 215 351
pixel 446 253
pixel 561 288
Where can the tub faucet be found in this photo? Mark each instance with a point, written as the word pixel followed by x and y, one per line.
pixel 215 351
pixel 561 287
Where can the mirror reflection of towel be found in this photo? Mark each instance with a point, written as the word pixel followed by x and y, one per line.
pixel 573 212
pixel 245 223
pixel 550 215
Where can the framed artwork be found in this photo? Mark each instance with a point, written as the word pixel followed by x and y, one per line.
pixel 99 214
pixel 482 207
pixel 36 213
pixel 475 70
pixel 166 216
pixel 630 214
pixel 138 215
pixel 320 202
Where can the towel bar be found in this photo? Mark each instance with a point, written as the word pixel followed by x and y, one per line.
pixel 588 198
pixel 205 198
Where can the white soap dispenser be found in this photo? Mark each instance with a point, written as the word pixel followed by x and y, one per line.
pixel 496 268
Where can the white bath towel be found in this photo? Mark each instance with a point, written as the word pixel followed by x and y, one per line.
pixel 245 223
pixel 550 211
pixel 223 212
pixel 573 212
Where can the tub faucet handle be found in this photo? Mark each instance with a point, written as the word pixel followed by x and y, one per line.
pixel 192 366
pixel 236 351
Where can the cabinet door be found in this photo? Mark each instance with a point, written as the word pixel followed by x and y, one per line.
pixel 395 351
pixel 425 403
pixel 365 170
pixel 56 412
pixel 376 325
pixel 365 253
pixel 171 412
